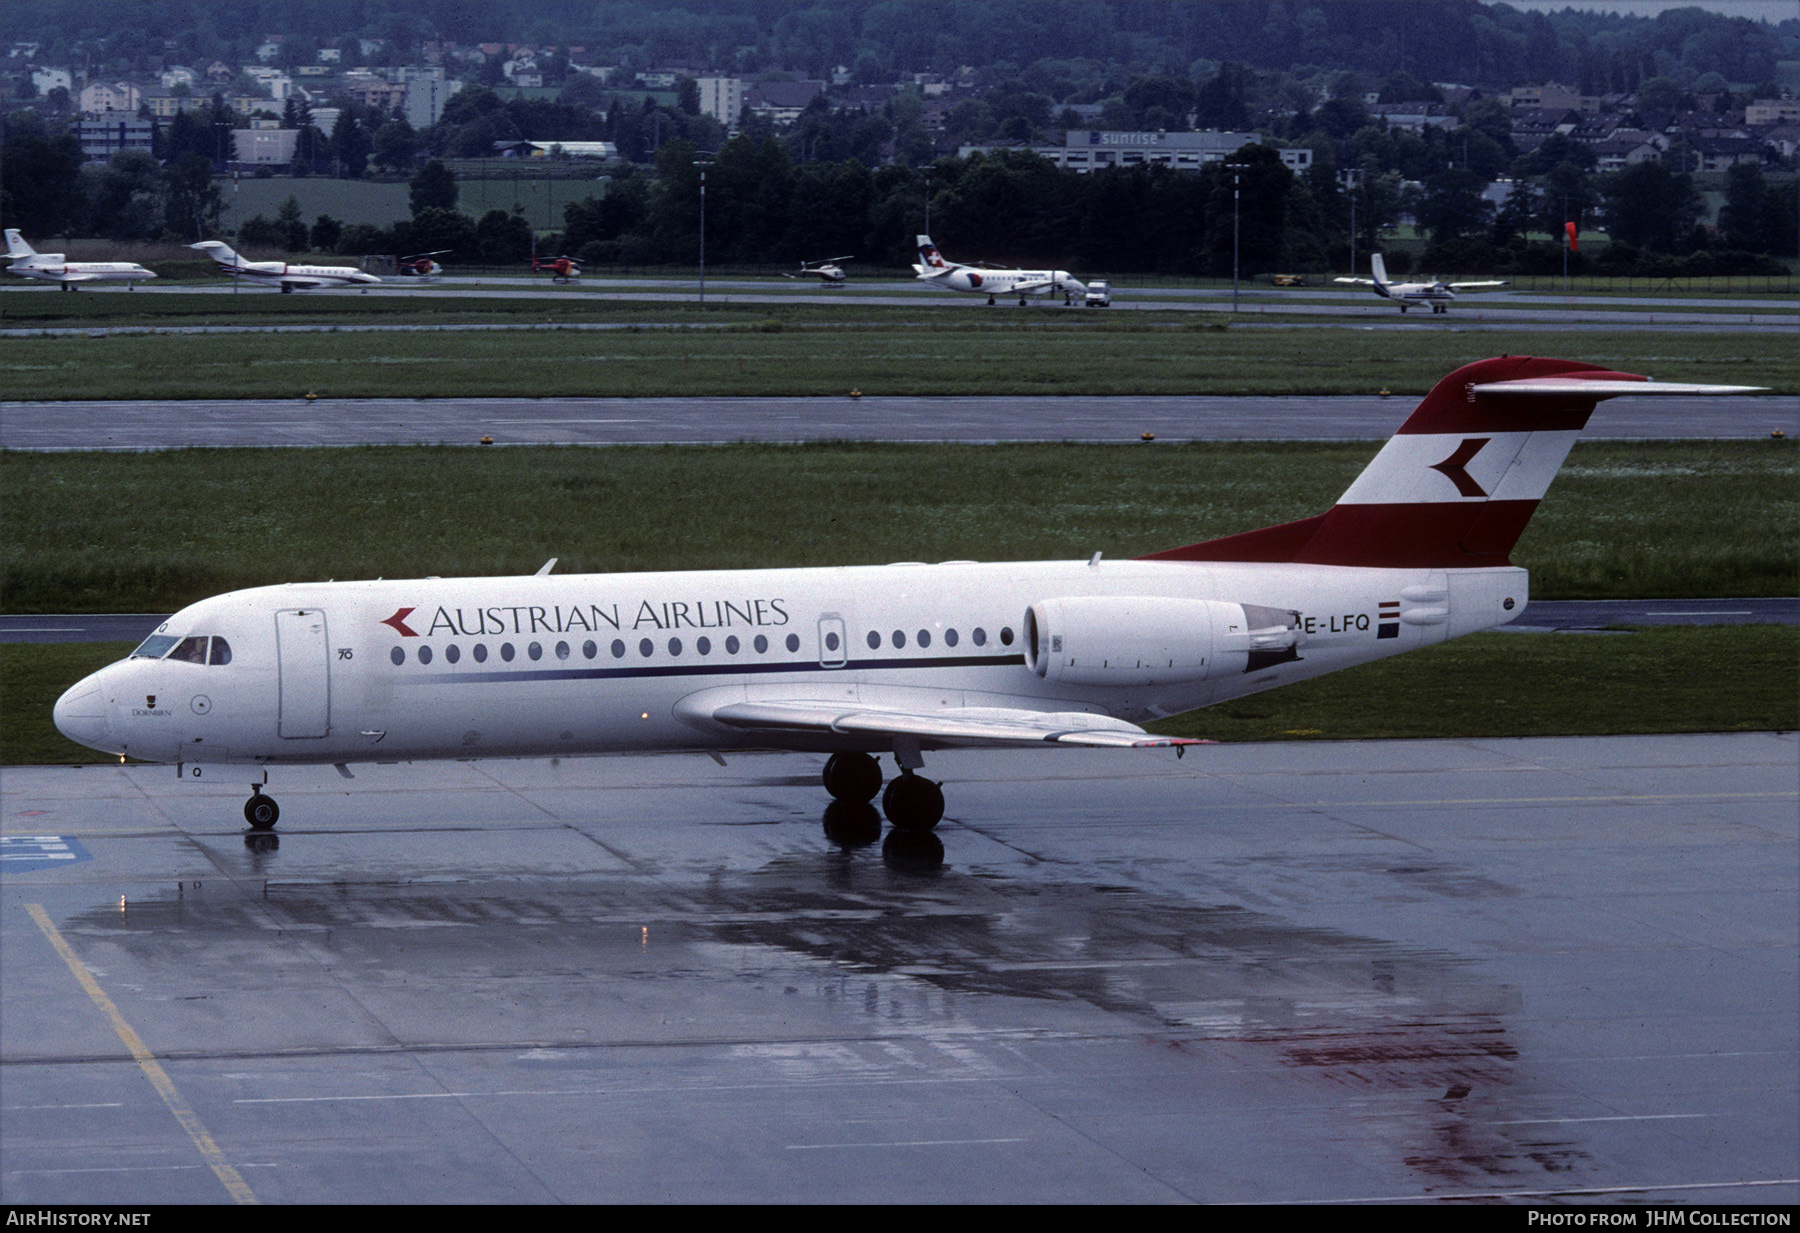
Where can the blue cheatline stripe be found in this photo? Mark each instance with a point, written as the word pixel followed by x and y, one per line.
pixel 592 674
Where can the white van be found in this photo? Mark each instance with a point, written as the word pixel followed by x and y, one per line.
pixel 1099 294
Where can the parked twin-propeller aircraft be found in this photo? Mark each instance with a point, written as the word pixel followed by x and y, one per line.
pixel 51 268
pixel 281 273
pixel 858 661
pixel 1438 295
pixel 993 281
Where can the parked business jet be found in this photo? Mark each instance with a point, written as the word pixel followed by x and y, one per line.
pixel 1437 295
pixel 51 268
pixel 288 277
pixel 855 662
pixel 993 281
pixel 828 272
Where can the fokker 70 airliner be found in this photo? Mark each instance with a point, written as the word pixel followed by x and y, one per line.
pixel 866 660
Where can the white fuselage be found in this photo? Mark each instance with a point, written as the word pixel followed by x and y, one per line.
pixel 284 274
pixel 50 267
pixel 1416 293
pixel 1004 283
pixel 584 664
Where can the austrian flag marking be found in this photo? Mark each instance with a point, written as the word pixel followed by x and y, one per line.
pixel 398 621
pixel 1454 466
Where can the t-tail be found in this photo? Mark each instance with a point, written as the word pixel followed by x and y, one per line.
pixel 1455 486
pixel 223 255
pixel 16 247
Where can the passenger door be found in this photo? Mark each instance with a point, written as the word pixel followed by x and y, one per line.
pixel 303 651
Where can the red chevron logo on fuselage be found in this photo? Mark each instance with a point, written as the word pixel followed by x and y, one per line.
pixel 398 621
pixel 1453 467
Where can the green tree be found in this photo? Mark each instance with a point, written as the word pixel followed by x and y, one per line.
pixel 1650 207
pixel 40 192
pixel 434 187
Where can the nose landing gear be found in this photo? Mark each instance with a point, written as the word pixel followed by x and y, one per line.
pixel 260 811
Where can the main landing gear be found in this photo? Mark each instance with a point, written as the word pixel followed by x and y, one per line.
pixel 260 811
pixel 911 802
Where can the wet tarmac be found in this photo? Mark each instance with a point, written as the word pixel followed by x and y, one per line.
pixel 1502 970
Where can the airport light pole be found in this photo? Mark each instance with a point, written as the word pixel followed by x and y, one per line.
pixel 702 164
pixel 928 201
pixel 1237 170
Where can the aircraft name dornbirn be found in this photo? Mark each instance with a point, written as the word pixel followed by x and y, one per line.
pixel 592 618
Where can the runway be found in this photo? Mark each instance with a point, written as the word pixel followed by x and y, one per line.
pixel 1514 971
pixel 1323 307
pixel 134 425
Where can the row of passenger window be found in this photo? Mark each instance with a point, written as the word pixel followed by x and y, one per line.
pixel 646 647
pixel 978 636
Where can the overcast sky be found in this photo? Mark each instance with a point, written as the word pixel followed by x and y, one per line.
pixel 1760 10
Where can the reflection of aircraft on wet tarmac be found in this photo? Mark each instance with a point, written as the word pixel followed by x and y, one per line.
pixel 420 267
pixel 560 269
pixel 287 276
pixel 991 280
pixel 828 272
pixel 28 262
pixel 896 659
pixel 1438 295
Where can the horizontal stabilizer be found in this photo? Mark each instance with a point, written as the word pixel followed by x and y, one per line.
pixel 1544 387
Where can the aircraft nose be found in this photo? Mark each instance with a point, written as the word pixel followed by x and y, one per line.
pixel 80 715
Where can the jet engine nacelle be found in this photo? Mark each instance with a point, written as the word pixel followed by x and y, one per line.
pixel 1150 640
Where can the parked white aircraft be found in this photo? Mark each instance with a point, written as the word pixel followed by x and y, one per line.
pixel 1438 295
pixel 857 661
pixel 288 277
pixel 51 268
pixel 828 272
pixel 993 281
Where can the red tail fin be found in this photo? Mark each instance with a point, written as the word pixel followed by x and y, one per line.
pixel 1454 487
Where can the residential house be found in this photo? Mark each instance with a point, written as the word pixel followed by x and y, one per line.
pixel 48 79
pixel 782 101
pixel 1766 111
pixel 98 98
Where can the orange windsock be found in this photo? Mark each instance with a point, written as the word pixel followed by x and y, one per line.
pixel 1569 230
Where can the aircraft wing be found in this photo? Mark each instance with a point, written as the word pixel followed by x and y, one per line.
pixel 950 725
pixel 1036 284
pixel 1360 282
pixel 1498 282
pixel 76 278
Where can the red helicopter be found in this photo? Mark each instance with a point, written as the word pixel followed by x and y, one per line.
pixel 420 265
pixel 560 269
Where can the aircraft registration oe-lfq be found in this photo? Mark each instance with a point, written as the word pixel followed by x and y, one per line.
pixel 280 273
pixel 993 281
pixel 862 660
pixel 1436 294
pixel 51 268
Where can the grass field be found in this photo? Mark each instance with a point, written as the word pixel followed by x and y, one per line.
pixel 149 532
pixel 1487 685
pixel 779 352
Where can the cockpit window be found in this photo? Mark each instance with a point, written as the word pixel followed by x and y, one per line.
pixel 221 652
pixel 155 646
pixel 193 650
